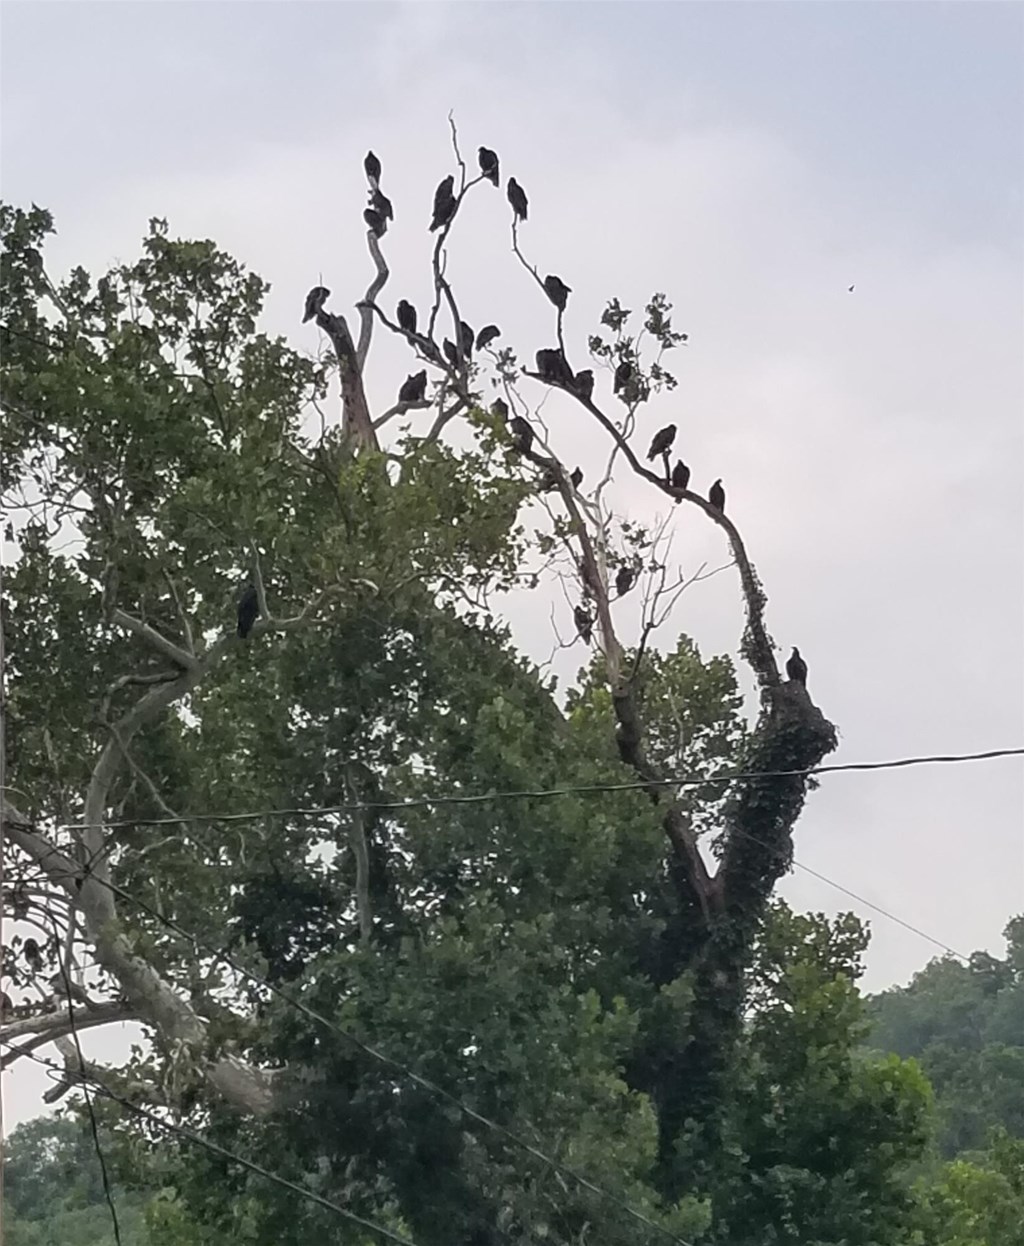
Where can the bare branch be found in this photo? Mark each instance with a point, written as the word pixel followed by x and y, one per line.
pixel 187 661
pixel 374 288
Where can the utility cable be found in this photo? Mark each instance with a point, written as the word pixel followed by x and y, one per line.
pixel 585 789
pixel 198 1140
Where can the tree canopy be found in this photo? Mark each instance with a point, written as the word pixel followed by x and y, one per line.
pixel 300 847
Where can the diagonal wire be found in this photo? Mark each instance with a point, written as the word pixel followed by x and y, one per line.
pixel 198 1140
pixel 416 1078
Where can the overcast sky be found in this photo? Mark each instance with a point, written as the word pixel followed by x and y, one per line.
pixel 752 161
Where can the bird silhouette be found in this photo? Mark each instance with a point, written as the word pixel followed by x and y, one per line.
pixel 372 166
pixel 376 222
pixel 414 387
pixel 584 623
pixel 583 384
pixel 315 300
pixel 716 496
pixel 248 611
pixel 517 198
pixel 796 668
pixel 488 164
pixel 576 478
pixel 680 475
pixel 522 434
pixel 451 352
pixel 623 375
pixel 548 481
pixel 553 368
pixel 444 203
pixel 487 335
pixel 466 339
pixel 33 955
pixel 405 314
pixel 625 578
pixel 557 291
pixel 499 407
pixel 662 442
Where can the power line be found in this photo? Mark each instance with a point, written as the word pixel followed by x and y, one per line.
pixel 216 1149
pixel 585 789
pixel 416 1078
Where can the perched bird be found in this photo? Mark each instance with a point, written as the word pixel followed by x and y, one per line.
pixel 548 481
pixel 584 623
pixel 680 475
pixel 522 434
pixel 414 387
pixel 623 375
pixel 662 442
pixel 850 289
pixel 382 204
pixel 451 352
pixel 33 955
pixel 716 496
pixel 796 668
pixel 625 578
pixel 405 314
pixel 444 203
pixel 376 222
pixel 248 611
pixel 553 368
pixel 557 291
pixel 583 384
pixel 488 164
pixel 517 198
pixel 315 300
pixel 372 166
pixel 499 407
pixel 576 479
pixel 487 335
pixel 466 338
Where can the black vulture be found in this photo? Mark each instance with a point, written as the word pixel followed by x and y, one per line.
pixel 487 335
pixel 662 442
pixel 716 496
pixel 376 222
pixel 382 204
pixel 549 481
pixel 372 166
pixel 522 434
pixel 553 368
pixel 517 198
pixel 488 164
pixel 583 384
pixel 576 479
pixel 680 475
pixel 405 314
pixel 796 668
pixel 33 955
pixel 414 387
pixel 625 578
pixel 499 407
pixel 248 611
pixel 557 291
pixel 466 339
pixel 444 203
pixel 623 375
pixel 315 300
pixel 451 352
pixel 584 623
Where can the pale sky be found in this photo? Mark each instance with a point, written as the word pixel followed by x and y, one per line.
pixel 752 161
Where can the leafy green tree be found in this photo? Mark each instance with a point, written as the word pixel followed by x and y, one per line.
pixel 576 968
pixel 965 1024
pixel 977 1201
